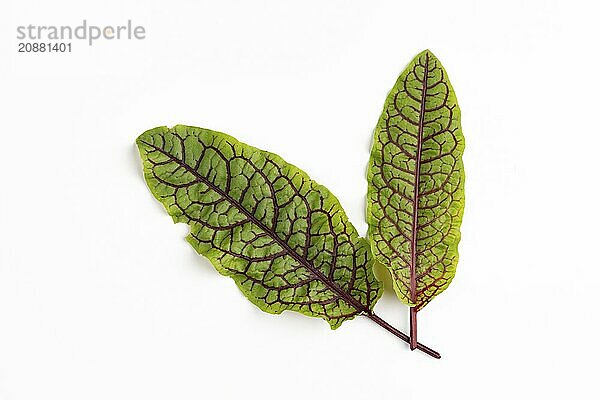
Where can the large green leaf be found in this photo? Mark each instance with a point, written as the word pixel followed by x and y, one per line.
pixel 284 239
pixel 416 182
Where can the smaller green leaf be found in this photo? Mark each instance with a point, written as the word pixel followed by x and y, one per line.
pixel 415 197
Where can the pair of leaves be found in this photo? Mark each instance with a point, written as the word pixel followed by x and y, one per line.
pixel 285 239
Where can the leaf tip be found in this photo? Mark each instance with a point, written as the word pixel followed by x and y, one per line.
pixel 427 52
pixel 147 135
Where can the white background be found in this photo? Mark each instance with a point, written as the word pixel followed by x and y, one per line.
pixel 101 297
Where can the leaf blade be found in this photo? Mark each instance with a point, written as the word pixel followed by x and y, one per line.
pixel 415 196
pixel 283 238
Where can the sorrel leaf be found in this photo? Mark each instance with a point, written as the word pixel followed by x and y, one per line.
pixel 284 239
pixel 415 195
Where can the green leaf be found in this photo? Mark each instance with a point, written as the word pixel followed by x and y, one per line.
pixel 415 195
pixel 283 238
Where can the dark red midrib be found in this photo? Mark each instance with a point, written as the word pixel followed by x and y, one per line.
pixel 332 285
pixel 413 243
